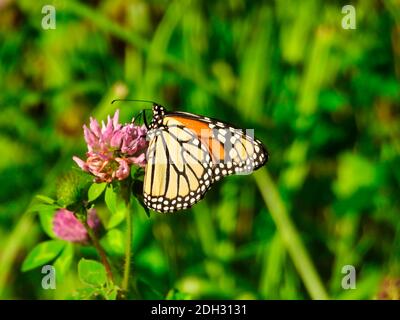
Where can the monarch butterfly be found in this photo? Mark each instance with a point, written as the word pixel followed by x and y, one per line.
pixel 187 153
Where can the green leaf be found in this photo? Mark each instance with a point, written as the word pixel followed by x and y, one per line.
pixel 46 221
pixel 137 173
pixel 45 199
pixel 39 207
pixel 95 190
pixel 92 272
pixel 63 262
pixel 42 253
pixel 111 199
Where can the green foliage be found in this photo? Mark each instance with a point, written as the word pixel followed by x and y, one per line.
pixel 110 199
pixel 114 242
pixel 45 199
pixel 63 263
pixel 46 216
pixel 95 190
pixel 72 187
pixel 174 294
pixel 323 99
pixel 92 272
pixel 41 254
pixel 354 173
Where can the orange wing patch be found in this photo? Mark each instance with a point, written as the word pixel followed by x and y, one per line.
pixel 204 133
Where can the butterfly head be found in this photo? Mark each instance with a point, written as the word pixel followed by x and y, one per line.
pixel 158 116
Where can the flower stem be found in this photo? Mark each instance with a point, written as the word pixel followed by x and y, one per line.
pixel 100 251
pixel 128 248
pixel 290 236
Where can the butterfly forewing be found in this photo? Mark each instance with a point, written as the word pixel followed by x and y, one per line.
pixel 234 151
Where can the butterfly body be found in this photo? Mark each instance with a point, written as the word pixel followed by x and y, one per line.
pixel 187 153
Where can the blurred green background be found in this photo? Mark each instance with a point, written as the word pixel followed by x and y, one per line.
pixel 324 100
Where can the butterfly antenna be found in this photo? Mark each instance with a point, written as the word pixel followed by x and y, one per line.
pixel 133 100
pixel 141 113
pixel 137 116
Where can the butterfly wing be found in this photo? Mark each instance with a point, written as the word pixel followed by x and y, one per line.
pixel 233 150
pixel 188 152
pixel 178 171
